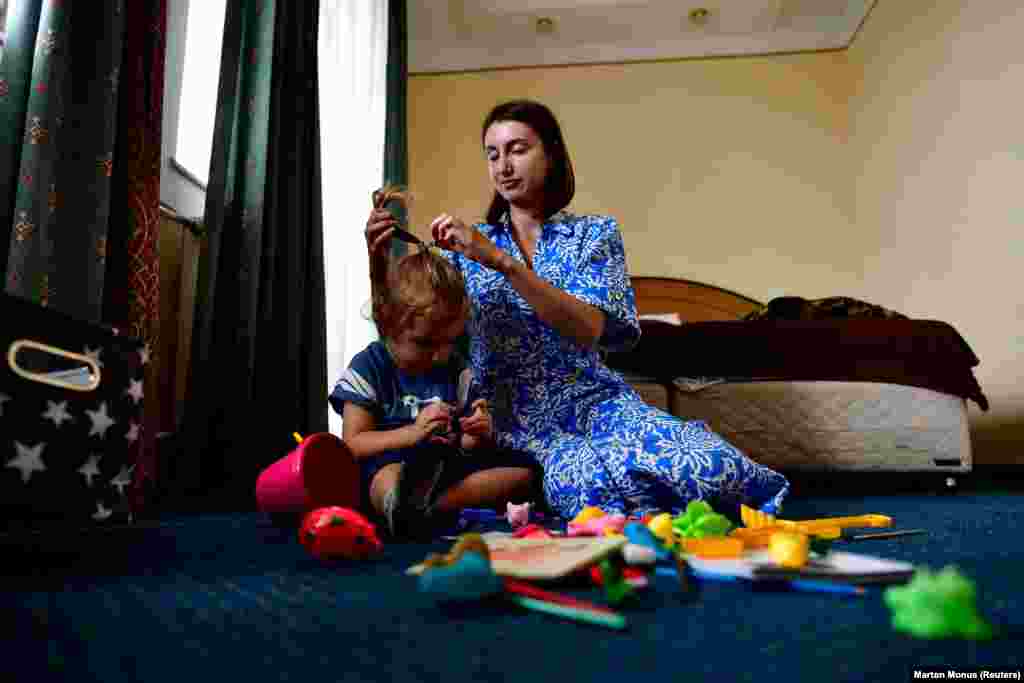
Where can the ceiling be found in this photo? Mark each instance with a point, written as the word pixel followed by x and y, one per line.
pixel 461 35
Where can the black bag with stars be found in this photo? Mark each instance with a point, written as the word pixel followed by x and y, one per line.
pixel 70 419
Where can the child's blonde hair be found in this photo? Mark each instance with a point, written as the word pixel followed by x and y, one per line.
pixel 422 284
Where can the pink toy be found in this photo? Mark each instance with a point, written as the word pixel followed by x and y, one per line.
pixel 518 515
pixel 598 526
pixel 334 532
pixel 319 471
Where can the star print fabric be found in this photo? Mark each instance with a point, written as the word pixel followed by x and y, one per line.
pixel 598 442
pixel 67 455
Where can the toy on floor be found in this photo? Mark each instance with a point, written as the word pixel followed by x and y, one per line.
pixel 661 526
pixel 639 535
pixel 465 574
pixel 518 515
pixel 937 605
pixel 318 472
pixel 789 549
pixel 532 531
pixel 586 514
pixel 606 525
pixel 700 521
pixel 471 542
pixel 714 547
pixel 636 555
pixel 828 526
pixel 616 581
pixel 337 532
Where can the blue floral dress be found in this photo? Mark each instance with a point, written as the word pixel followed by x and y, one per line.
pixel 598 442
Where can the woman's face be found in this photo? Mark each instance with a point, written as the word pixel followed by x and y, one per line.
pixel 517 163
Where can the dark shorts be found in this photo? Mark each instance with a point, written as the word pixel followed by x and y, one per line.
pixel 457 467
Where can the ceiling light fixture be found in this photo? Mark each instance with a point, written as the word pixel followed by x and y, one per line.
pixel 545 25
pixel 699 16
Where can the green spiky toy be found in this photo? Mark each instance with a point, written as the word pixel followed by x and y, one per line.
pixel 937 605
pixel 700 521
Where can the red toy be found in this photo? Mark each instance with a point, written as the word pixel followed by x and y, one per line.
pixel 333 532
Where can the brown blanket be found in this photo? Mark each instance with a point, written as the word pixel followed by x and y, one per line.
pixel 922 353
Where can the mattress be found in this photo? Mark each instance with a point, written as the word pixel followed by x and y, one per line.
pixel 827 425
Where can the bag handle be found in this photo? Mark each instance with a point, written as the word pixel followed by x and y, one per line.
pixel 52 378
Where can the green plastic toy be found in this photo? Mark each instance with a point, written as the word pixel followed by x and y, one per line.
pixel 700 521
pixel 937 605
pixel 616 588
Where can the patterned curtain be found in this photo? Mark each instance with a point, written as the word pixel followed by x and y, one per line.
pixel 81 90
pixel 259 346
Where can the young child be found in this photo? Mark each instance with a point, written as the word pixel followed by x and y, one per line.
pixel 403 398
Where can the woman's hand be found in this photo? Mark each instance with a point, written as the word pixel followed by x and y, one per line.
pixel 453 234
pixel 478 427
pixel 380 226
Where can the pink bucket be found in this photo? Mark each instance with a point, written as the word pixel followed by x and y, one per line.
pixel 320 471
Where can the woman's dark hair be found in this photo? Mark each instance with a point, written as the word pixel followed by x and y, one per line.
pixel 560 185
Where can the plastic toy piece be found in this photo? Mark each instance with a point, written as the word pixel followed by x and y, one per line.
pixel 634 577
pixel 606 525
pixel 466 543
pixel 788 549
pixel 616 586
pixel 937 605
pixel 530 591
pixel 518 515
pixel 754 519
pixel 469 577
pixel 700 521
pixel 532 531
pixel 661 527
pixel 714 548
pixel 760 538
pixel 336 532
pixel 638 534
pixel 636 554
pixel 586 514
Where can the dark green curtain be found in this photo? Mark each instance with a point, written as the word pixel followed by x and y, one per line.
pixel 259 346
pixel 396 154
pixel 81 97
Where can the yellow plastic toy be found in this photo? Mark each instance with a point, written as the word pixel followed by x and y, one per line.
pixel 588 513
pixel 661 526
pixel 789 549
pixel 828 527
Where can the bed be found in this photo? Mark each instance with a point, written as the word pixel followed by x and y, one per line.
pixel 806 395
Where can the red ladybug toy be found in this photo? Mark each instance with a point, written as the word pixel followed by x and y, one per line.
pixel 333 532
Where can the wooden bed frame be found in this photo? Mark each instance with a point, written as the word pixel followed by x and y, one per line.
pixel 692 301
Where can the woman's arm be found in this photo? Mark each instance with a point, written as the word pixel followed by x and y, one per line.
pixel 360 433
pixel 571 317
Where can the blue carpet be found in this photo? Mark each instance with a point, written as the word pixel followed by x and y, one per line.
pixel 234 597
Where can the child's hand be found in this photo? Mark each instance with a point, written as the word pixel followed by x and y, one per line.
pixel 433 418
pixel 478 427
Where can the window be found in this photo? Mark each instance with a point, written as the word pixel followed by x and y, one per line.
pixel 204 36
pixel 3 26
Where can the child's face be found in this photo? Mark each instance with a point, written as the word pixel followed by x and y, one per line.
pixel 425 343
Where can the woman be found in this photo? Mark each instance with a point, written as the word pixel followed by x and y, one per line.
pixel 549 292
